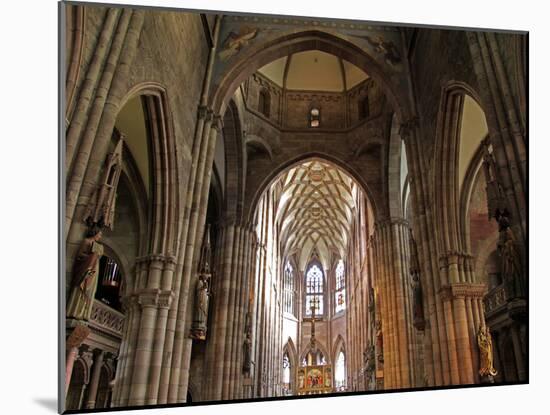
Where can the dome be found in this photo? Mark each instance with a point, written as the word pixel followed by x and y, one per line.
pixel 313 70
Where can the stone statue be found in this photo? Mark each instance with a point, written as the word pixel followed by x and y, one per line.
pixel 202 292
pixel 247 354
pixel 371 303
pixel 379 342
pixel 416 286
pixel 85 275
pixel 370 359
pixel 510 265
pixel 485 344
pixel 200 318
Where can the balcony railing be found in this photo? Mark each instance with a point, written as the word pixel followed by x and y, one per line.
pixel 494 299
pixel 107 319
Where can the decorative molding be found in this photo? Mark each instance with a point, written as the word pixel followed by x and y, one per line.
pixel 314 96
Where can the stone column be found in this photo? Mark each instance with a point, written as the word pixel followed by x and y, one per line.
pixel 226 339
pixel 506 124
pixel 518 353
pixel 393 275
pixel 460 300
pixel 94 381
pixel 98 122
pixel 79 332
pixel 141 353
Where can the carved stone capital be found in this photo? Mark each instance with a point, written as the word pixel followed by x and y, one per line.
pixel 407 127
pixel 148 297
pixel 217 123
pixel 165 299
pixel 154 297
pixel 462 290
pixel 202 112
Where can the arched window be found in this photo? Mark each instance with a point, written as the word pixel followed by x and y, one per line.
pixel 264 102
pixel 286 371
pixel 340 372
pixel 340 294
pixel 314 117
pixel 288 281
pixel 314 290
pixel 364 108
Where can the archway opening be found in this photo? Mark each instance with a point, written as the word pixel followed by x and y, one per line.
pixel 306 220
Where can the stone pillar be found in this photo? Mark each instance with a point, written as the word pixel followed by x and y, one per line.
pixel 518 353
pixel 79 332
pixel 94 381
pixel 141 353
pixel 395 315
pixel 95 126
pixel 72 353
pixel 459 299
pixel 506 124
pixel 230 305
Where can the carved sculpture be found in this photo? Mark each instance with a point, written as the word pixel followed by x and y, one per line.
pixel 416 286
pixel 485 344
pixel 510 266
pixel 202 291
pixel 102 208
pixel 247 354
pixel 247 346
pixel 85 274
pixel 379 341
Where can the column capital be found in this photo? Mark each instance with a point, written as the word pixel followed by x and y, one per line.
pixel 154 298
pixel 159 258
pixel 217 122
pixel 202 111
pixel 382 223
pixel 462 290
pixel 407 127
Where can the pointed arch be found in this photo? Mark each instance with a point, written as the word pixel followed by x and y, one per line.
pixel 235 153
pixel 446 171
pixel 165 191
pixel 257 55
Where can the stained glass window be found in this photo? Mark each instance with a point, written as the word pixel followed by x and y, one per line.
pixel 340 294
pixel 286 369
pixel 288 281
pixel 340 372
pixel 314 290
pixel 314 117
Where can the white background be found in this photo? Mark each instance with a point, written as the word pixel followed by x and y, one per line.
pixel 28 203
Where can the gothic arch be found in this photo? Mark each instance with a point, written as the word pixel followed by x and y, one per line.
pixel 165 192
pixel 445 173
pixel 339 345
pixel 396 208
pixel 320 347
pixel 290 349
pixel 474 169
pixel 234 162
pixel 258 55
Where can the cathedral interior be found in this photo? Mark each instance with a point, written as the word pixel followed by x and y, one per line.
pixel 262 206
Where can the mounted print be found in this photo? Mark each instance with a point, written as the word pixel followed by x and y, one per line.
pixel 262 206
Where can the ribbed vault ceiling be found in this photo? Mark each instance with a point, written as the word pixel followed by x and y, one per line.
pixel 315 210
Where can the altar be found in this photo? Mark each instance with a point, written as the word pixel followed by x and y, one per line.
pixel 314 380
